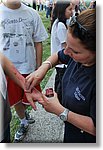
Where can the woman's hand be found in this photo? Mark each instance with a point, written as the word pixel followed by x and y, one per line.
pixel 32 80
pixel 35 78
pixel 52 104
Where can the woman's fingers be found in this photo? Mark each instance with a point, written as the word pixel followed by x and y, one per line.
pixel 31 82
pixel 28 82
pixel 44 100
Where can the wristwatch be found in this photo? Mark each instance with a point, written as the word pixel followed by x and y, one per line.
pixel 63 116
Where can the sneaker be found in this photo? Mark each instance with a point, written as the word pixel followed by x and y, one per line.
pixel 20 134
pixel 29 118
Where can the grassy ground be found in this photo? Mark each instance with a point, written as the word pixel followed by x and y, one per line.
pixel 46 53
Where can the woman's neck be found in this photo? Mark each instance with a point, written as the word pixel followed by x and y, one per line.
pixel 89 64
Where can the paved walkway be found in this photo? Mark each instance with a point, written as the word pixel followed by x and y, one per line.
pixel 48 128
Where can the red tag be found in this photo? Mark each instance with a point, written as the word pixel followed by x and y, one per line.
pixel 49 92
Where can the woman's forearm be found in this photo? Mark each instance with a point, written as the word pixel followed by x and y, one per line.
pixel 85 123
pixel 36 77
pixel 53 59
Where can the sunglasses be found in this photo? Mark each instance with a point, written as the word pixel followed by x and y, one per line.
pixel 79 31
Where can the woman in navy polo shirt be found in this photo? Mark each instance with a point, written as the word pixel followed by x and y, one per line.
pixel 78 109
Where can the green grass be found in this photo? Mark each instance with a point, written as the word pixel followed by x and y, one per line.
pixel 46 53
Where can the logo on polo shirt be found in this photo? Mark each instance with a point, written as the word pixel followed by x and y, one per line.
pixel 78 95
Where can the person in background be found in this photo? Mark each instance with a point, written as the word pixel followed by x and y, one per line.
pixel 47 3
pixel 8 69
pixel 92 4
pixel 38 4
pixel 78 108
pixel 41 5
pixel 82 5
pixel 26 3
pixel 34 4
pixel 62 11
pixel 22 34
pixel 51 7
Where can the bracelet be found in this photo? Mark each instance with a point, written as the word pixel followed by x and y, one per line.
pixel 48 62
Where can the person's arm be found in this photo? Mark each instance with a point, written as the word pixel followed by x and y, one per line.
pixel 85 123
pixel 53 105
pixel 36 77
pixel 13 73
pixel 39 50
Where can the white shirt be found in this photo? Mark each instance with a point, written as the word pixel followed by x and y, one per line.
pixel 19 29
pixel 58 37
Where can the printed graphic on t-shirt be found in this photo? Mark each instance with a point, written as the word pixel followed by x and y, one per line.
pixel 16 37
pixel 15 50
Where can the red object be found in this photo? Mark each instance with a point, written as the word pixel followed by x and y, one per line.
pixel 16 94
pixel 49 92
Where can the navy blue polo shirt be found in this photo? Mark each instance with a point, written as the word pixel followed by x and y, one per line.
pixel 79 96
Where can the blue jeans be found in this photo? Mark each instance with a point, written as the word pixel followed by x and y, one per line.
pixel 47 12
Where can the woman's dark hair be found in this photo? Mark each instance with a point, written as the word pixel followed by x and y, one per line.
pixel 84 28
pixel 59 11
